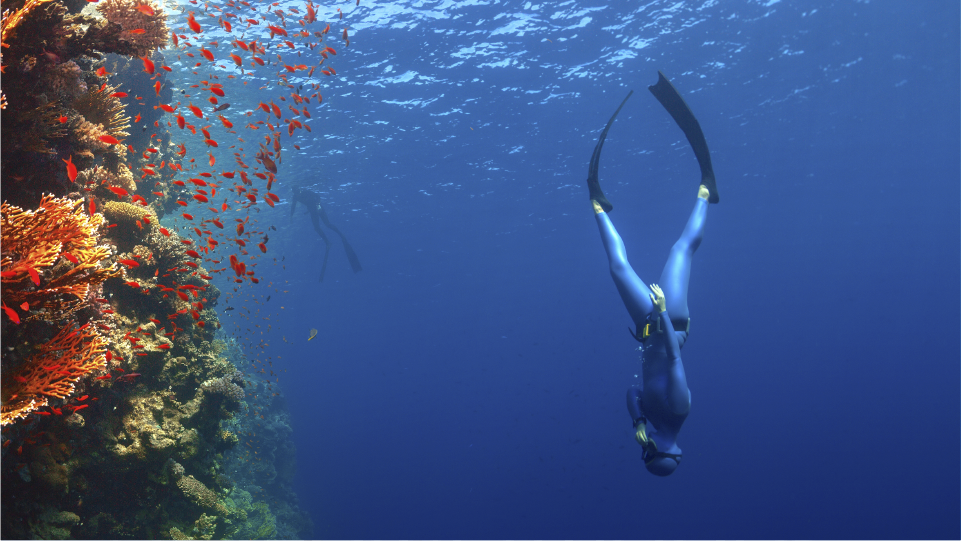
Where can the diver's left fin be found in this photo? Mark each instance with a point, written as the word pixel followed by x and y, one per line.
pixel 593 184
pixel 669 97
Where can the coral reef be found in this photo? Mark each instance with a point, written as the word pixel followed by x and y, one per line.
pixel 126 413
pixel 125 14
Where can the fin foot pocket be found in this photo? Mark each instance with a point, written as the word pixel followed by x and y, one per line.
pixel 671 99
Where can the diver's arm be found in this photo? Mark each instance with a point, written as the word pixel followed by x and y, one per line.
pixel 678 394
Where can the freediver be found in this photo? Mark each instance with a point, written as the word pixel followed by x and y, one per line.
pixel 659 406
pixel 311 200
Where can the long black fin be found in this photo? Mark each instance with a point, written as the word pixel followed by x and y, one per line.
pixel 348 249
pixel 592 181
pixel 669 97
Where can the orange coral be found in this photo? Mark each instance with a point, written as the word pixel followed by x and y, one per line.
pixel 10 21
pixel 51 372
pixel 32 242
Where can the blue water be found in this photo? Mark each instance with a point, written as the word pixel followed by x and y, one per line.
pixel 470 381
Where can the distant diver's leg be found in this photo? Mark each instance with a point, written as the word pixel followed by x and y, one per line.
pixel 592 181
pixel 669 97
pixel 677 270
pixel 317 228
pixel 634 292
pixel 351 255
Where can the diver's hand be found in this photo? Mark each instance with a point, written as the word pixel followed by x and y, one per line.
pixel 657 297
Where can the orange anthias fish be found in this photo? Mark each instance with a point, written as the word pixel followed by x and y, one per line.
pixel 12 314
pixel 71 169
pixel 193 23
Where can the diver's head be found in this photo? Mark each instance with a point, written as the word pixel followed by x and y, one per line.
pixel 662 464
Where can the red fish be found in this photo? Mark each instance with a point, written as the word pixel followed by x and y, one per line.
pixel 102 72
pixel 147 65
pixel 119 191
pixel 193 23
pixel 109 139
pixel 164 346
pixel 196 110
pixel 269 164
pixel 12 314
pixel 146 10
pixel 71 169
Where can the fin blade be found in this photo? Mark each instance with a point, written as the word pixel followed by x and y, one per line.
pixel 671 99
pixel 593 182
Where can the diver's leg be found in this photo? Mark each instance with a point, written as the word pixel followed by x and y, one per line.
pixel 677 270
pixel 634 292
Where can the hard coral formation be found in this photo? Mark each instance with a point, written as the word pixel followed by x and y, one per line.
pixel 65 79
pixel 226 386
pixel 126 14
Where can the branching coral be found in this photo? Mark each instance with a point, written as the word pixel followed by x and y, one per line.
pixel 44 125
pixel 11 20
pixel 58 241
pixel 98 106
pixel 51 372
pixel 127 14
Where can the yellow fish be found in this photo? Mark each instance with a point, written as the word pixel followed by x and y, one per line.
pixel 313 333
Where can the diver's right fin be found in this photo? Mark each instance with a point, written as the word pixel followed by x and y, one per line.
pixel 351 255
pixel 669 97
pixel 592 181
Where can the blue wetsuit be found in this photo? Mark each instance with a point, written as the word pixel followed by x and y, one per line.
pixel 663 400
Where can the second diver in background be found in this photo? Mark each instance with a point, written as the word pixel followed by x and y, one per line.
pixel 311 200
pixel 661 404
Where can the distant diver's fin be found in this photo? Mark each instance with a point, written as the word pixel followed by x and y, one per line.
pixel 592 181
pixel 323 269
pixel 351 256
pixel 669 97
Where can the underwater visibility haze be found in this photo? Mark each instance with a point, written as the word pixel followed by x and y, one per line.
pixel 390 313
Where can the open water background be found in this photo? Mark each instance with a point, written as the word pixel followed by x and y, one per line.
pixel 470 381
